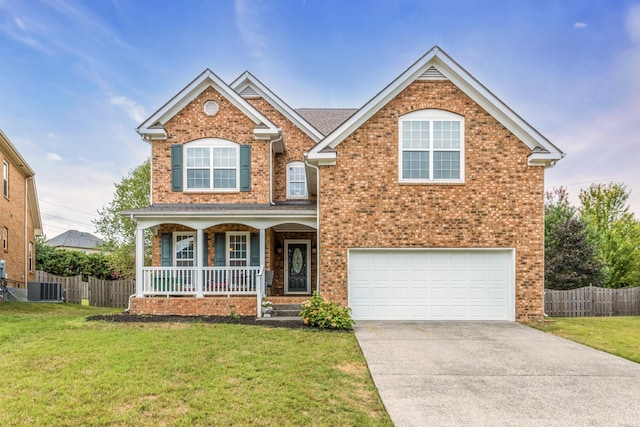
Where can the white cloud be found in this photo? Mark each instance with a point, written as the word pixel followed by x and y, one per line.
pixel 580 25
pixel 53 156
pixel 135 112
pixel 249 18
pixel 633 24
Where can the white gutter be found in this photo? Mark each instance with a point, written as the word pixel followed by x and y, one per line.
pixel 306 161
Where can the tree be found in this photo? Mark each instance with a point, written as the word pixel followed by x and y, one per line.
pixel 614 232
pixel 118 230
pixel 570 260
pixel 62 262
pixel 557 208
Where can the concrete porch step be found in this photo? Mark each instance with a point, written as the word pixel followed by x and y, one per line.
pixel 286 310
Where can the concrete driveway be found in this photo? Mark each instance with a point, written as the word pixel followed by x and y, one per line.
pixel 495 374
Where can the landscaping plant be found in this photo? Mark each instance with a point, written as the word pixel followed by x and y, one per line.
pixel 324 314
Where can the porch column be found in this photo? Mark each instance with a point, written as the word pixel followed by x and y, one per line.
pixel 262 291
pixel 139 262
pixel 199 282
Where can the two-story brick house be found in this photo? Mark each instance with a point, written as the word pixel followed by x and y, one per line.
pixel 426 203
pixel 20 220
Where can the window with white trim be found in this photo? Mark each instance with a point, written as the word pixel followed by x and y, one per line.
pixel 5 238
pixel 212 164
pixel 431 147
pixel 238 246
pixel 5 179
pixel 184 249
pixel 296 181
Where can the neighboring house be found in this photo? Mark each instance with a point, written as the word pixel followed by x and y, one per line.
pixel 20 220
pixel 426 203
pixel 77 241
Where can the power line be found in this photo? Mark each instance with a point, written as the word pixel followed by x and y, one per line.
pixel 70 220
pixel 67 207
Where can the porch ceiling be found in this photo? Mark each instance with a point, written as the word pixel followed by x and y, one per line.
pixel 201 216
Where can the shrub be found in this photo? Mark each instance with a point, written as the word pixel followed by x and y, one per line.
pixel 324 314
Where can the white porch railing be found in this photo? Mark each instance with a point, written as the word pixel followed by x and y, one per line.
pixel 213 280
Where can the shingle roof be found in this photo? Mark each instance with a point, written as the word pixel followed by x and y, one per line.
pixel 75 239
pixel 326 119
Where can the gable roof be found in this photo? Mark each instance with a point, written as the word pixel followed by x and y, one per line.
pixel 75 239
pixel 21 164
pixel 326 120
pixel 437 65
pixel 248 86
pixel 153 127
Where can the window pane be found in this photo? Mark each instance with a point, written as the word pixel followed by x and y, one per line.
pixel 224 178
pixel 198 157
pixel 446 134
pixel 297 189
pixel 415 165
pixel 415 134
pixel 446 165
pixel 224 157
pixel 198 178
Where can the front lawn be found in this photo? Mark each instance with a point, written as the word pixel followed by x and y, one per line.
pixel 59 369
pixel 615 335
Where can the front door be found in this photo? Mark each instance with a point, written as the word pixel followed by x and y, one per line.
pixel 297 270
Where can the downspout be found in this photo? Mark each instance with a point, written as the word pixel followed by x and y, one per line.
pixel 26 233
pixel 271 202
pixel 306 161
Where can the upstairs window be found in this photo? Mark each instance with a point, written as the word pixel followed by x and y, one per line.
pixel 212 164
pixel 296 181
pixel 5 179
pixel 431 147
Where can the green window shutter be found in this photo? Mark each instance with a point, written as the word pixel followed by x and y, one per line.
pixel 176 167
pixel 205 250
pixel 166 254
pixel 245 167
pixel 254 247
pixel 219 255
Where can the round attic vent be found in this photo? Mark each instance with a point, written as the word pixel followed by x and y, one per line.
pixel 211 108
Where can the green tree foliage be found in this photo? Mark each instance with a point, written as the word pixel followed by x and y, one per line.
pixel 614 232
pixel 118 230
pixel 63 262
pixel 570 260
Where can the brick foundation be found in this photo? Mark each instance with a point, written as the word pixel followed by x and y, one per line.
pixel 190 306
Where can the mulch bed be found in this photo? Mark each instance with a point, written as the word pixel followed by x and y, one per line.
pixel 242 320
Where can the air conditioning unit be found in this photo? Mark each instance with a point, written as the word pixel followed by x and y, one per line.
pixel 43 291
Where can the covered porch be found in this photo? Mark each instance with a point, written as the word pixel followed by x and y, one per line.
pixel 223 259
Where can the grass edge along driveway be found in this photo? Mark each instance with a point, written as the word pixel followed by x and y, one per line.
pixel 59 369
pixel 615 335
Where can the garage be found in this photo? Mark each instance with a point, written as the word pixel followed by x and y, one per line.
pixel 432 284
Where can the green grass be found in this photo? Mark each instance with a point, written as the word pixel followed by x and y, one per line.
pixel 58 369
pixel 615 335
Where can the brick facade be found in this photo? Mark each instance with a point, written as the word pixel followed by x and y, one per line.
pixel 16 217
pixel 500 205
pixel 189 306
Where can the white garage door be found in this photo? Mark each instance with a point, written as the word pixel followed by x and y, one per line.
pixel 397 284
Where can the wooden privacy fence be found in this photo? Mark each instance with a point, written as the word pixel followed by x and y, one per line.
pixel 99 293
pixel 592 301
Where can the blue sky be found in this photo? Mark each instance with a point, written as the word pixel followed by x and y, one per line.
pixel 77 77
